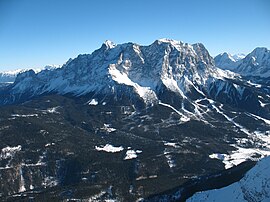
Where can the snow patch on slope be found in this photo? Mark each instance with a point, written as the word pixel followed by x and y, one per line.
pixel 52 110
pixel 146 93
pixel 9 152
pixel 108 128
pixel 109 148
pixel 24 115
pixel 131 154
pixel 93 102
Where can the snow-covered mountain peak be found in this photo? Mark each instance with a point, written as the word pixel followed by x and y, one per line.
pixel 226 55
pixel 25 75
pixel 257 63
pixel 238 57
pixel 260 54
pixel 203 53
pixel 227 61
pixel 260 50
pixel 109 44
pixel 234 58
pixel 189 52
pixel 169 41
pixel 144 70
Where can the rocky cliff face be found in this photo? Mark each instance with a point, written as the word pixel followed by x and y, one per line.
pixel 142 73
pixel 143 68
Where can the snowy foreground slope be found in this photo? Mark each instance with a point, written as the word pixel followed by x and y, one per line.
pixel 255 187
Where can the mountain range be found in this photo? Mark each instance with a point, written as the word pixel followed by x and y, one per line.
pixel 255 65
pixel 130 122
pixel 144 71
pixel 10 76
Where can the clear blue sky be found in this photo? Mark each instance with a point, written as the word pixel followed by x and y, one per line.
pixel 34 33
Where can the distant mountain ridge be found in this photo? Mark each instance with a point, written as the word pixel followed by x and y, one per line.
pixel 227 61
pixel 10 76
pixel 255 64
